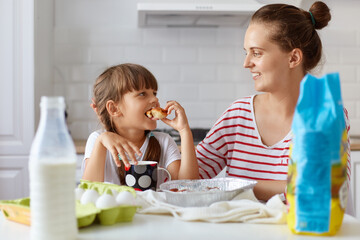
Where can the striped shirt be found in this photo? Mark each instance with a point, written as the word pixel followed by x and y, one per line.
pixel 234 142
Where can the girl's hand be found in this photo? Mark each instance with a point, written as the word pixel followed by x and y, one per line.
pixel 180 122
pixel 118 146
pixel 188 167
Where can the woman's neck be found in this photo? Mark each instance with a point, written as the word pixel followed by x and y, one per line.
pixel 284 104
pixel 285 99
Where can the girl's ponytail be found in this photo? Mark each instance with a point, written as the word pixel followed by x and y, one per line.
pixel 153 150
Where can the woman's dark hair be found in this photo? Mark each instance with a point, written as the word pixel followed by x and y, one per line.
pixel 293 27
pixel 112 84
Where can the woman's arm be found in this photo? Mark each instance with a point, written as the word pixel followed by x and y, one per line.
pixel 265 189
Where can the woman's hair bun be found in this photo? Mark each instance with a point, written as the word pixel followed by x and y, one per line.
pixel 321 14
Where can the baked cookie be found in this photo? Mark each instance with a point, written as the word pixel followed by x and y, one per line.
pixel 157 112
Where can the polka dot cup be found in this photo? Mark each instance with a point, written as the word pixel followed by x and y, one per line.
pixel 144 175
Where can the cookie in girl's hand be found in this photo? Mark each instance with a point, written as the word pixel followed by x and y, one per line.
pixel 157 112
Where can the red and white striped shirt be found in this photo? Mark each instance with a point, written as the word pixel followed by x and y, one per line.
pixel 234 141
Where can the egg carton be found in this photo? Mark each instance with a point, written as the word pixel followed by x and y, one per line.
pixel 88 213
pixel 18 210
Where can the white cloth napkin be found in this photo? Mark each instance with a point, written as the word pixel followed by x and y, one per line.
pixel 243 208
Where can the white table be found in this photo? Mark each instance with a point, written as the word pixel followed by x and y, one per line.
pixel 158 227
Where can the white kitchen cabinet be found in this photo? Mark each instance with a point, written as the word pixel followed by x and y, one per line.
pixel 16 95
pixel 355 180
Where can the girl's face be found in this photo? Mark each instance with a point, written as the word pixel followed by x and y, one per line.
pixel 134 106
pixel 268 64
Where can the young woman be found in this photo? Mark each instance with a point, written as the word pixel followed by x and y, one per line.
pixel 252 137
pixel 122 96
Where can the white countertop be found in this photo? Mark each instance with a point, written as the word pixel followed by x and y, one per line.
pixel 158 227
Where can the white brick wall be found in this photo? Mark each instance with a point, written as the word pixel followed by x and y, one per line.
pixel 199 67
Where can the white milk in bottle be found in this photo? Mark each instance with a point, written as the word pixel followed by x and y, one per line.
pixel 52 169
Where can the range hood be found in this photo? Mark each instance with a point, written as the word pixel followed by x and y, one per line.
pixel 194 14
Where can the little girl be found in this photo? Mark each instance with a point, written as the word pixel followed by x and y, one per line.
pixel 122 95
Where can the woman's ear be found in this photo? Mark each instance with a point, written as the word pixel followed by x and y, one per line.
pixel 296 58
pixel 113 109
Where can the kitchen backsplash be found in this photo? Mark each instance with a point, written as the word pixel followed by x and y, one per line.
pixel 199 67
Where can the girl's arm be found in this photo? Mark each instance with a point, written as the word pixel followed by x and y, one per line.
pixel 95 164
pixel 188 167
pixel 117 145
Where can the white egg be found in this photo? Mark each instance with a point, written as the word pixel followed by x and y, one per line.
pixel 114 192
pixel 106 201
pixel 78 193
pixel 89 196
pixel 125 198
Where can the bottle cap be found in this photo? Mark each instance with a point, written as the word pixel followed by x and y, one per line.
pixel 52 101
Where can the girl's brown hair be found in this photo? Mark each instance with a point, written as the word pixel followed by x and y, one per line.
pixel 112 84
pixel 295 28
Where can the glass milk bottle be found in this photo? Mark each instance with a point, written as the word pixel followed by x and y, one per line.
pixel 52 168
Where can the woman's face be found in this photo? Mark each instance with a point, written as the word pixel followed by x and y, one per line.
pixel 268 64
